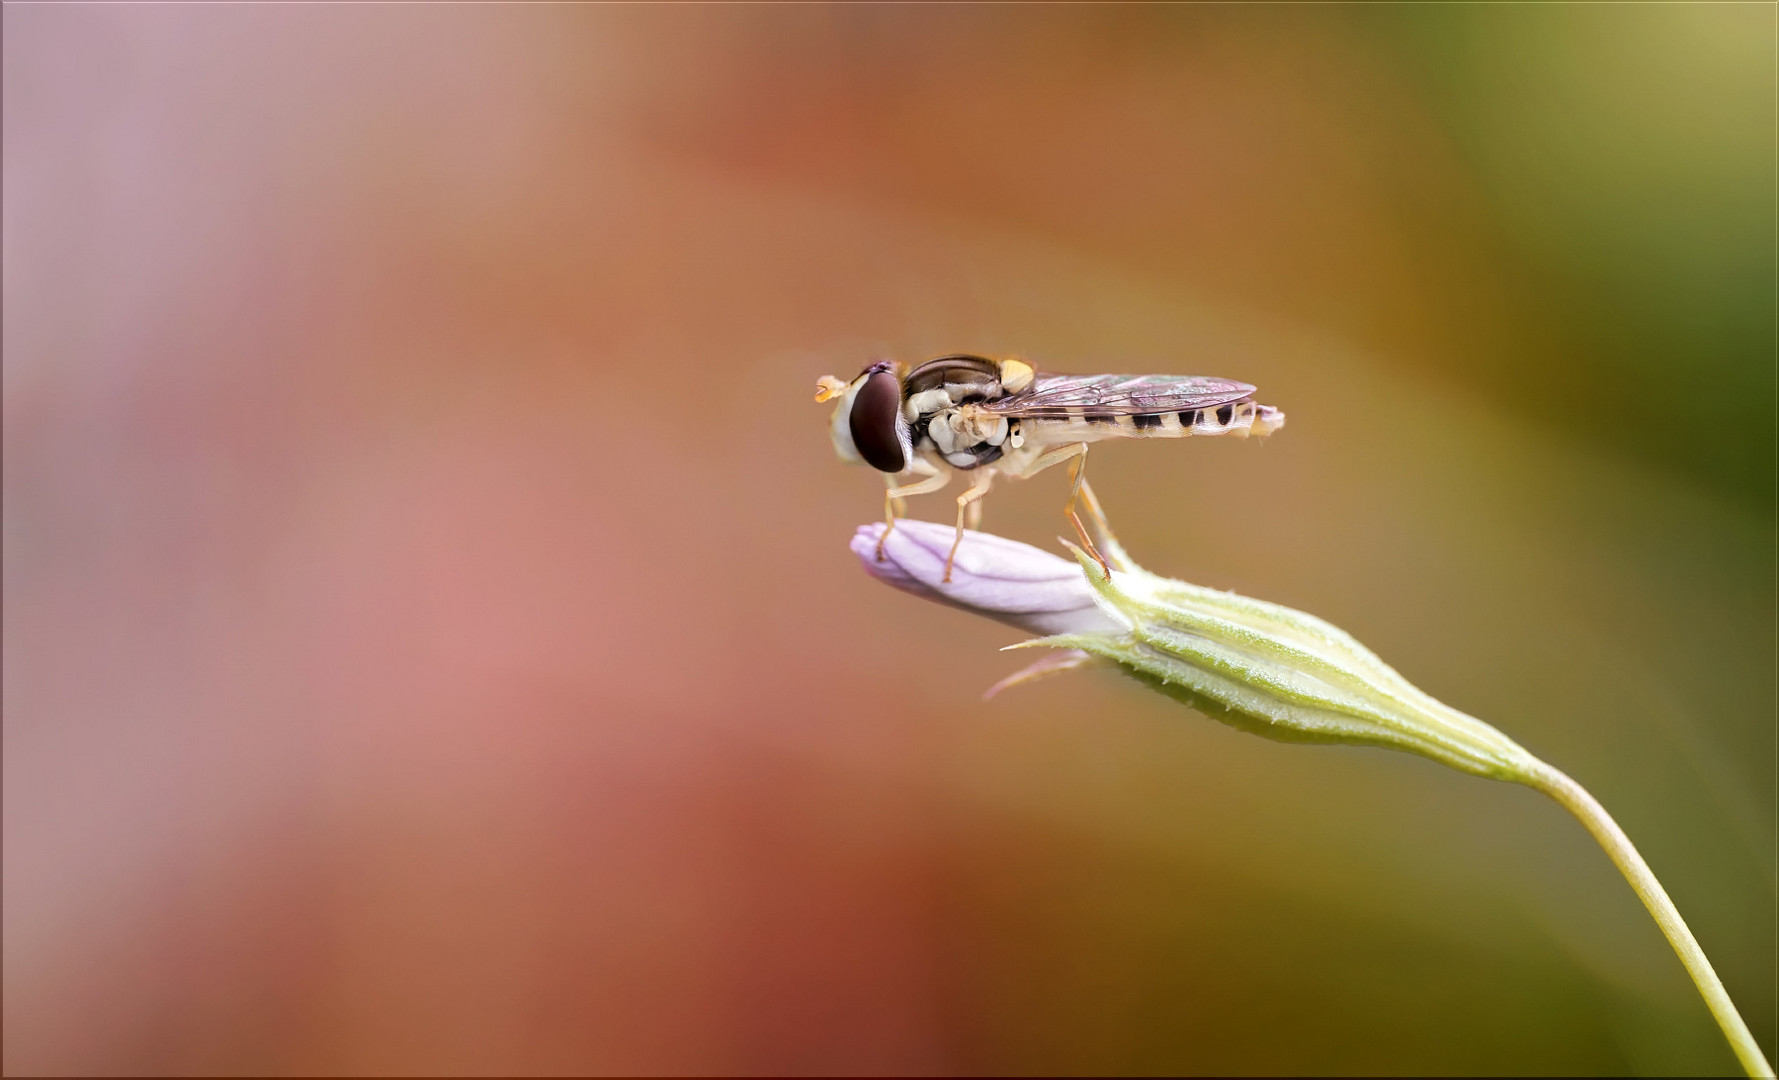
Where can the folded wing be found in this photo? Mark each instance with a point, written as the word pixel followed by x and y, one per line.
pixel 1061 396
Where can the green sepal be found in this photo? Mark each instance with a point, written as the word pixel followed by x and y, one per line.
pixel 1277 672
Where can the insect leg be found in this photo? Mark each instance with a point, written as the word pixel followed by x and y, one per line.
pixel 1047 459
pixel 936 478
pixel 1080 477
pixel 893 507
pixel 1057 457
pixel 968 501
pixel 1100 524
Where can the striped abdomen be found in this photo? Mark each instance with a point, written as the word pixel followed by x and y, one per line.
pixel 1240 419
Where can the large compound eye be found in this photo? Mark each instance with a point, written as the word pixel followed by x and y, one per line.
pixel 875 410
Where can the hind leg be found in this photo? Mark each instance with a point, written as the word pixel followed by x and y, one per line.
pixel 1079 478
pixel 1077 452
pixel 1108 539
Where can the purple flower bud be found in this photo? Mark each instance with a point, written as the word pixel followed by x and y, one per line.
pixel 1005 580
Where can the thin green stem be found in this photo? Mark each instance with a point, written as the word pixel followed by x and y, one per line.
pixel 1575 799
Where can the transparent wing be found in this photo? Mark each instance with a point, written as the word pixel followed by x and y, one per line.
pixel 1118 395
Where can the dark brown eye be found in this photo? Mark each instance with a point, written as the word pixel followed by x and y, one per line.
pixel 875 409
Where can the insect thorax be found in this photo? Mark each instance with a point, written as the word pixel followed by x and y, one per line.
pixel 966 436
pixel 940 402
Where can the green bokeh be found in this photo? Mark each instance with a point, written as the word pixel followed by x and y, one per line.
pixel 1627 155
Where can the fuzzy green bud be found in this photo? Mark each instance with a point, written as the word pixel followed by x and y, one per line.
pixel 1274 671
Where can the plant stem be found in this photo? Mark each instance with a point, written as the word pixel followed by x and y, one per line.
pixel 1575 799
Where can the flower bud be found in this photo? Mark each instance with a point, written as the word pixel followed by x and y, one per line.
pixel 1257 666
pixel 1278 672
pixel 1003 579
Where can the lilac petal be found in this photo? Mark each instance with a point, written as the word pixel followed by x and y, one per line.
pixel 993 576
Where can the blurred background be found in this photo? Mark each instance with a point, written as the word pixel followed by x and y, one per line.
pixel 431 643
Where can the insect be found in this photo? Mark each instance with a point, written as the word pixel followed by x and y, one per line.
pixel 1000 417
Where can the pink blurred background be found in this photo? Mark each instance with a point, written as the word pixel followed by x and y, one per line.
pixel 431 643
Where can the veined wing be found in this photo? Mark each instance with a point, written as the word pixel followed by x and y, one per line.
pixel 1061 396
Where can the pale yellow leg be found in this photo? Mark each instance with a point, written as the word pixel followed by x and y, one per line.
pixel 1057 457
pixel 968 501
pixel 1049 458
pixel 1078 452
pixel 1079 478
pixel 1100 523
pixel 936 478
pixel 1077 473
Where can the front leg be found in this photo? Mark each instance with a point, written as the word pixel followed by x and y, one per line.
pixel 936 478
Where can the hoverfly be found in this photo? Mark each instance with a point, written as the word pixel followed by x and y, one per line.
pixel 1000 417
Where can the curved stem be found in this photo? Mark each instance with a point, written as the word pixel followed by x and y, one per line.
pixel 1575 799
